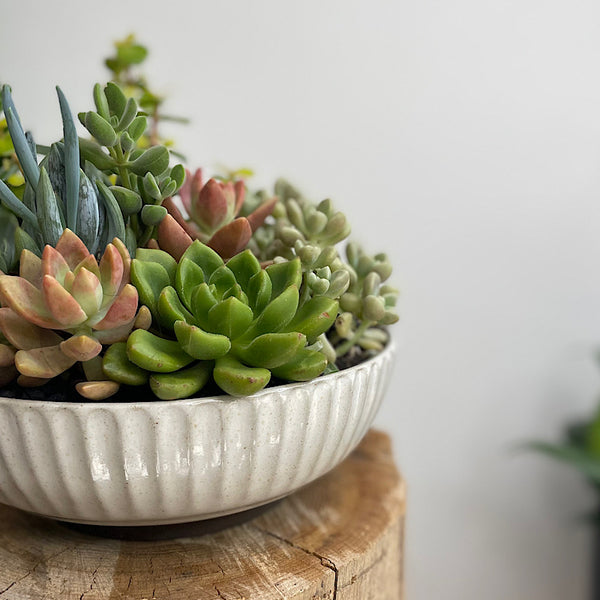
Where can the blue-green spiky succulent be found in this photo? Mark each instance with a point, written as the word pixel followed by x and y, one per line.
pixel 233 321
pixel 71 187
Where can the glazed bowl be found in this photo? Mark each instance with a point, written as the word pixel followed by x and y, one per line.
pixel 157 462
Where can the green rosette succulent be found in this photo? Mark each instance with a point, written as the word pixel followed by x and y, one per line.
pixel 234 321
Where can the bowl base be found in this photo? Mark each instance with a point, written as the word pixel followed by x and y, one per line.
pixel 151 533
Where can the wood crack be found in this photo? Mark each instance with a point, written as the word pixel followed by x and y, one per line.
pixel 219 593
pixel 360 575
pixel 91 584
pixel 37 564
pixel 326 562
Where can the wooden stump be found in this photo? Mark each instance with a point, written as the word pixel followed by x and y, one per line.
pixel 338 538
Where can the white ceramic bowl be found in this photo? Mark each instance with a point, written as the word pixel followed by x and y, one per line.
pixel 151 463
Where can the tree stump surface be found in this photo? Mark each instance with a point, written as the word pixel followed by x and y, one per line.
pixel 338 538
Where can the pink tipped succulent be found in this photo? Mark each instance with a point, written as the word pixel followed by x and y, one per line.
pixel 65 291
pixel 213 210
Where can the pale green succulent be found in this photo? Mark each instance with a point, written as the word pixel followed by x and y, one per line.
pixel 310 232
pixel 367 304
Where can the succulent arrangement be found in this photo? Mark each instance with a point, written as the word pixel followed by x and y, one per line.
pixel 121 269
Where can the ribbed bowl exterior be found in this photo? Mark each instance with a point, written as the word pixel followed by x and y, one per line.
pixel 151 463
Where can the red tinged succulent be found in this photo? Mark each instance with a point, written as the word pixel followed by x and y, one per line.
pixel 63 307
pixel 213 210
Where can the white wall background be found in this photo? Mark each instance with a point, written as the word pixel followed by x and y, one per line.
pixel 463 137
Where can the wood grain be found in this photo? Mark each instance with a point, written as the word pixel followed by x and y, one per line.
pixel 339 538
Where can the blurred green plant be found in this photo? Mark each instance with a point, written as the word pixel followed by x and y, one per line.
pixel 124 65
pixel 10 173
pixel 579 448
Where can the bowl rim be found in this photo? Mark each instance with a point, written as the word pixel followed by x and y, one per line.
pixel 388 351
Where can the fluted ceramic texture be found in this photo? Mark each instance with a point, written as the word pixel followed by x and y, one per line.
pixel 168 462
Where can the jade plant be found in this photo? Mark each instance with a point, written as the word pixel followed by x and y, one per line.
pixel 120 270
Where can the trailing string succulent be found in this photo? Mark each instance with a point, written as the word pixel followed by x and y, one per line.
pixel 79 186
pixel 234 322
pixel 228 289
pixel 212 210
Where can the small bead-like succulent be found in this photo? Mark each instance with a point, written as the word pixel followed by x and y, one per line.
pixel 367 304
pixel 213 210
pixel 63 307
pixel 235 321
pixel 309 232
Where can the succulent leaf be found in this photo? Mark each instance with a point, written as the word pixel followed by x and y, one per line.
pixel 314 318
pixel 116 98
pixel 150 279
pixel 156 354
pixel 122 310
pixel 277 314
pixel 230 317
pixel 62 305
pixel 77 194
pixel 31 268
pixel 170 309
pixel 43 363
pixel 222 279
pixel 155 160
pixel 236 379
pixel 231 238
pixel 271 350
pixel 201 344
pixel 87 291
pixel 162 258
pixel 285 274
pixel 117 366
pixel 259 291
pixel 187 277
pixel 7 356
pixel 244 266
pixel 49 217
pixel 111 271
pixel 306 365
pixel 183 384
pixel 173 238
pixel 27 301
pixel 206 258
pixel 202 301
pixel 97 390
pixel 81 348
